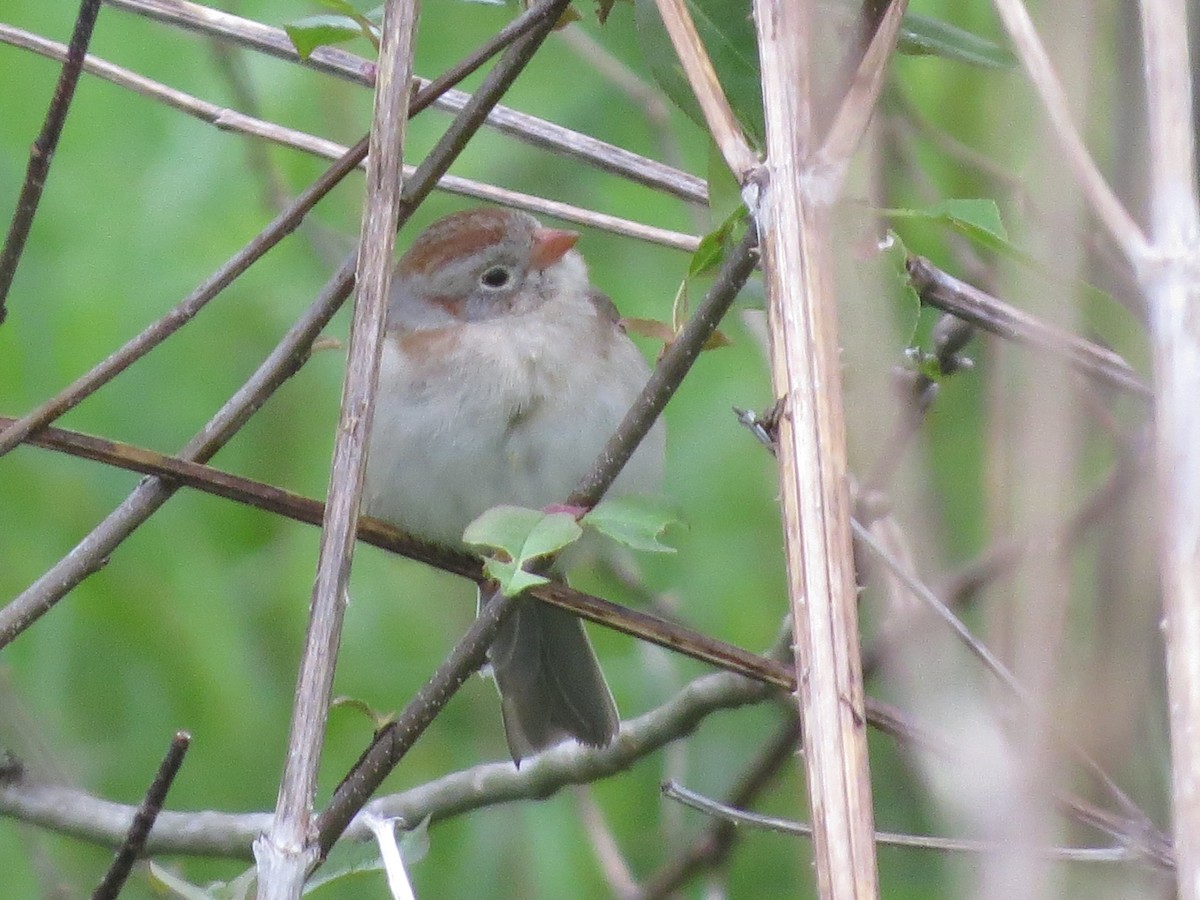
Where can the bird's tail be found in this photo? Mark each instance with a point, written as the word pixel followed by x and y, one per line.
pixel 551 686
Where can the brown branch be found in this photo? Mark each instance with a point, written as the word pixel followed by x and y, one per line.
pixel 635 623
pixel 41 154
pixel 795 223
pixel 331 61
pixel 941 290
pixel 134 843
pixel 668 374
pixel 286 852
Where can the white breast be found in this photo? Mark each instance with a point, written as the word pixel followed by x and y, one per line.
pixel 508 411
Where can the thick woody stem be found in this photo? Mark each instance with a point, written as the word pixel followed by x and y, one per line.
pixel 798 266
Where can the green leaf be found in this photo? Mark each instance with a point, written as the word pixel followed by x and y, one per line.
pixel 522 535
pixel 313 32
pixel 716 244
pixel 924 36
pixel 978 220
pixel 727 31
pixel 636 522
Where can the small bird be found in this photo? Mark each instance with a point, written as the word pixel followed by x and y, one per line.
pixel 503 374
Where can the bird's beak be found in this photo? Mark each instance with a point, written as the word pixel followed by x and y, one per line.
pixel 550 245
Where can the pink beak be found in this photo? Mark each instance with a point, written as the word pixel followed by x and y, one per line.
pixel 550 245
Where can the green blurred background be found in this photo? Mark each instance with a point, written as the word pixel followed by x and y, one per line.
pixel 197 621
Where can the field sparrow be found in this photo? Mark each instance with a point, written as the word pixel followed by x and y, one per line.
pixel 503 373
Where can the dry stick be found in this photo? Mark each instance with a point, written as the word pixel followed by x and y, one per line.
pixel 42 152
pixel 1037 65
pixel 858 105
pixel 731 816
pixel 635 623
pixel 92 552
pixel 134 843
pixel 232 121
pixel 331 61
pixel 943 291
pixel 394 740
pixel 712 847
pixel 183 312
pixel 285 853
pixel 805 372
pixel 1171 281
pixel 998 669
pixel 718 115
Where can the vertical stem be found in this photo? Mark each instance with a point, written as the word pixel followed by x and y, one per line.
pixel 1171 275
pixel 795 227
pixel 289 849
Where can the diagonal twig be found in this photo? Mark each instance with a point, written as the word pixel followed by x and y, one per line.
pixel 42 152
pixel 284 853
pixel 338 63
pixel 1040 69
pixel 134 843
pixel 943 291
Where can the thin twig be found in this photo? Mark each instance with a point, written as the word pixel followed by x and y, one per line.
pixel 722 123
pixel 1037 64
pixel 735 816
pixel 796 227
pixel 529 129
pixel 134 843
pixel 635 623
pixel 712 847
pixel 668 374
pixel 42 152
pixel 939 289
pixel 285 853
pixel 858 105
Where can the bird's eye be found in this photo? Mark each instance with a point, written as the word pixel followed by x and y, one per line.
pixel 495 277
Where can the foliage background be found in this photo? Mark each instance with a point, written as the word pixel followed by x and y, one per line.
pixel 198 620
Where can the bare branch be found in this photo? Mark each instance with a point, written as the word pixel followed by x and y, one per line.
pixel 134 843
pixel 1104 202
pixel 534 131
pixel 858 106
pixel 947 293
pixel 42 152
pixel 734 816
pixel 286 852
pixel 722 123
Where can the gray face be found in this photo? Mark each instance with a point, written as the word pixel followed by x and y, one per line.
pixel 468 267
